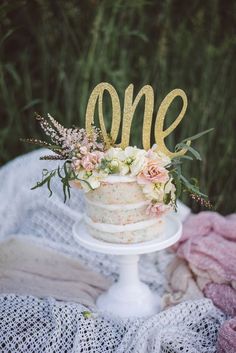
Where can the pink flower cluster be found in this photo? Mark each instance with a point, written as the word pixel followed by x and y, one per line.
pixel 88 160
pixel 91 160
pixel 154 173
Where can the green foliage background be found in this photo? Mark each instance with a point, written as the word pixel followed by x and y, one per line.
pixel 52 54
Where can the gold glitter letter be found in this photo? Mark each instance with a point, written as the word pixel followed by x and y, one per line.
pixel 161 134
pixel 97 94
pixel 129 109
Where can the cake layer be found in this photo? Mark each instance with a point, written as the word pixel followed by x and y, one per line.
pixel 116 214
pixel 122 190
pixel 129 233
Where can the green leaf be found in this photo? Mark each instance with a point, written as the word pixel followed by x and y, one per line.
pixel 41 183
pixel 59 172
pixel 167 198
pixel 64 192
pixel 192 188
pixel 200 134
pixel 177 183
pixel 85 181
pixel 194 152
pixel 184 156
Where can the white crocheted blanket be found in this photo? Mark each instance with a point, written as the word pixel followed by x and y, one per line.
pixel 30 324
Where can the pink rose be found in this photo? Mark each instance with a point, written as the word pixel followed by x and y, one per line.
pixel 90 161
pixel 153 173
pixel 157 209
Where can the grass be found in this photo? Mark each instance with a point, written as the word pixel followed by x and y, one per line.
pixel 52 54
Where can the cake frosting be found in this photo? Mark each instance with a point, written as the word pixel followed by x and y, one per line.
pixel 116 212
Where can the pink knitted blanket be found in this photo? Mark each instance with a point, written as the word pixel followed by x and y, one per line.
pixel 208 244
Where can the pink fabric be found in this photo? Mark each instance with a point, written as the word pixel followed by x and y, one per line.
pixel 222 296
pixel 208 244
pixel 227 337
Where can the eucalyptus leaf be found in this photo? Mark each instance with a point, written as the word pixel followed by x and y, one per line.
pixel 200 134
pixel 191 188
pixel 194 152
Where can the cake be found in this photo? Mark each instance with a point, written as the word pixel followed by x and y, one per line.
pixel 128 189
pixel 117 212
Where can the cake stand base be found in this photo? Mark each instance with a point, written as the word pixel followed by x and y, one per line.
pixel 129 297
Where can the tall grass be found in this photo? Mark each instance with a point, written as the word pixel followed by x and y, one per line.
pixel 52 54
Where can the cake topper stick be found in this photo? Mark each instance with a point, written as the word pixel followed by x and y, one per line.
pixel 130 106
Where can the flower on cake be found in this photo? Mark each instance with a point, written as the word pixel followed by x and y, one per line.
pixel 91 160
pixel 158 156
pixel 90 180
pixel 138 162
pixel 170 188
pixel 158 187
pixel 158 209
pixel 154 191
pixel 147 166
pixel 152 172
pixel 124 161
pixel 88 160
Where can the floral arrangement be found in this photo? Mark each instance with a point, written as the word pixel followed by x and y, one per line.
pixel 87 160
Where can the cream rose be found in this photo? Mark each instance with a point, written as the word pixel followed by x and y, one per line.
pixel 138 163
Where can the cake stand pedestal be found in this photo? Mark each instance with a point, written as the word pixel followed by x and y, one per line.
pixel 129 297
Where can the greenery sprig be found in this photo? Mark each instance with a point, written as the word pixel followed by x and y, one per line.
pixel 182 184
pixel 65 174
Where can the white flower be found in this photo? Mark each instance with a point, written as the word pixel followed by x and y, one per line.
pixel 115 153
pixel 114 163
pixel 116 156
pixel 90 180
pixel 124 168
pixel 158 156
pixel 131 152
pixel 154 191
pixel 131 159
pixel 139 162
pixel 170 188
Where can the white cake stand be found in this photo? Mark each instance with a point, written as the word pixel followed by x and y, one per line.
pixel 129 297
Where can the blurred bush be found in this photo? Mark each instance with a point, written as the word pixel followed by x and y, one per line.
pixel 52 54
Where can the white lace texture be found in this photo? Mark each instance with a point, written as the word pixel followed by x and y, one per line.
pixel 32 325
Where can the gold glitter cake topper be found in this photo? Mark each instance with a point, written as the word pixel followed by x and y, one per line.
pixel 130 105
